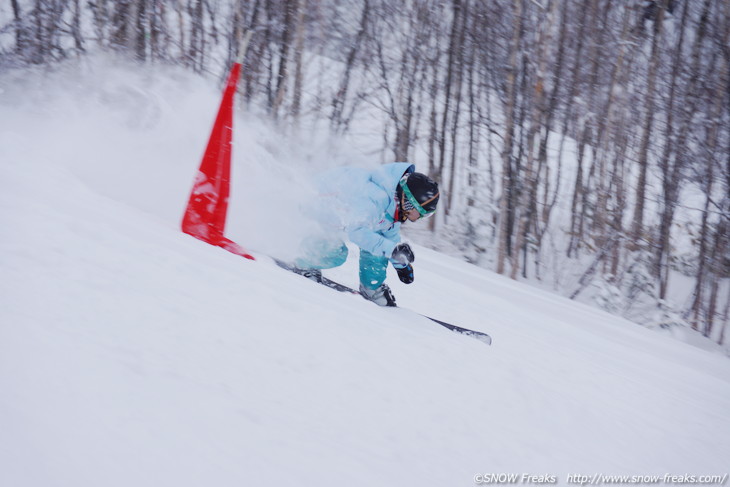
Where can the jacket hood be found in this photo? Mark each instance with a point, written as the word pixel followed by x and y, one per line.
pixel 388 175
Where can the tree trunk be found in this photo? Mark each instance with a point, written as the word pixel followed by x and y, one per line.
pixel 19 30
pixel 448 84
pixel 509 111
pixel 339 100
pixel 637 231
pixel 458 82
pixel 671 164
pixel 290 17
pixel 530 180
pixel 140 37
pixel 298 53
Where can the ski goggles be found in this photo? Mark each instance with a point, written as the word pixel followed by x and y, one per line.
pixel 411 203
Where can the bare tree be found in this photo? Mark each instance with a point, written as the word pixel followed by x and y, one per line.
pixel 640 198
pixel 508 181
pixel 528 199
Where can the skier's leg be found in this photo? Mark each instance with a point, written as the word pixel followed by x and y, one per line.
pixel 321 253
pixel 372 275
pixel 372 270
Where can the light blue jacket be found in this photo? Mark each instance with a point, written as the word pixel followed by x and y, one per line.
pixel 361 204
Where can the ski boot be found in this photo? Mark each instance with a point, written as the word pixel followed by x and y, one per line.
pixel 382 296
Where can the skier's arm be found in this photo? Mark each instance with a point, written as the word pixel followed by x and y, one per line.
pixel 375 243
pixel 367 219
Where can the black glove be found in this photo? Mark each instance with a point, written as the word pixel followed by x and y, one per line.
pixel 401 258
pixel 402 255
pixel 405 274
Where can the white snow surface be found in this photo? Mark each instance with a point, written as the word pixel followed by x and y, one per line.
pixel 134 355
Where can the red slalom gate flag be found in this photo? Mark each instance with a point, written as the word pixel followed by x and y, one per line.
pixel 205 215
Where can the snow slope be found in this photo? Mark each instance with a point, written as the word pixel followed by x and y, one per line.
pixel 131 354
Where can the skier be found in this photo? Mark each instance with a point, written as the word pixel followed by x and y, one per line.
pixel 367 207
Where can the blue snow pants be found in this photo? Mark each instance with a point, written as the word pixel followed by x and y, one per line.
pixel 324 253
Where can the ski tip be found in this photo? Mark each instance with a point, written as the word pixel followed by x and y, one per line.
pixel 482 337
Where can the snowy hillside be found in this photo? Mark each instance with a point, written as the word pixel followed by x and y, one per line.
pixel 134 355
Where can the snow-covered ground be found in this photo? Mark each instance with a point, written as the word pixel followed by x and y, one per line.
pixel 134 355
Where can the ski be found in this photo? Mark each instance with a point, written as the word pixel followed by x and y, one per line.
pixel 478 335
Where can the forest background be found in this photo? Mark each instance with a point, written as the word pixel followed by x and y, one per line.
pixel 582 145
